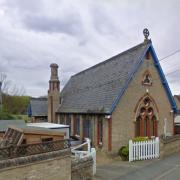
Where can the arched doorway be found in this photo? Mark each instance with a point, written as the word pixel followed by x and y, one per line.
pixel 146 118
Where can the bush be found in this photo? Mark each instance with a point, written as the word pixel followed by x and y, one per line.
pixel 136 139
pixel 124 153
pixel 5 115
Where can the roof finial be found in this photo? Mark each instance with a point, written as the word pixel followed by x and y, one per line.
pixel 146 34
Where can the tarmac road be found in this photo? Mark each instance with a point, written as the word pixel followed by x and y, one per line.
pixel 156 169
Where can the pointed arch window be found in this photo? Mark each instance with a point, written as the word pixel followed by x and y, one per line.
pixel 146 121
pixel 146 126
pixel 138 122
pixel 147 79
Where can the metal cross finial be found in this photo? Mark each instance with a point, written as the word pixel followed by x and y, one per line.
pixel 146 33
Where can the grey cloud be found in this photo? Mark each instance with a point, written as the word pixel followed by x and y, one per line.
pixel 102 22
pixel 70 24
pixel 40 18
pixel 41 83
pixel 78 34
pixel 172 76
pixel 21 6
pixel 82 42
pixel 3 68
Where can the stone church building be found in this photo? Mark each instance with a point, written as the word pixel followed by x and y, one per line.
pixel 123 97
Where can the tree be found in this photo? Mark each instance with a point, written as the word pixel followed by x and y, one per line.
pixel 8 87
pixel 16 104
pixel 12 97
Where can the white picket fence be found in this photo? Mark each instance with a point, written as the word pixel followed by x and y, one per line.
pixel 91 152
pixel 143 149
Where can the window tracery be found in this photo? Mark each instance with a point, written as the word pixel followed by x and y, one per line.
pixel 146 121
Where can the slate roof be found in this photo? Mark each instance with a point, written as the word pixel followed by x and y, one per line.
pixel 38 107
pixel 5 123
pixel 96 89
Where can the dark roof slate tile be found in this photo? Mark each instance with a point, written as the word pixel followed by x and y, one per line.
pixel 39 106
pixel 94 90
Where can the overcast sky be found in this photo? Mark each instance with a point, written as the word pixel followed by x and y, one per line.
pixel 77 34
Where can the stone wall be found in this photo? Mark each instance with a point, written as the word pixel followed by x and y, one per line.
pixel 169 145
pixel 46 166
pixel 82 169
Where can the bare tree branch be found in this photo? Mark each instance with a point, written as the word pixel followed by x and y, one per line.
pixel 2 77
pixel 8 87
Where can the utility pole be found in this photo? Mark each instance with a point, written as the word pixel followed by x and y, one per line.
pixel 0 96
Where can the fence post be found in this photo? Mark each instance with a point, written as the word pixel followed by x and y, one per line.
pixel 130 150
pixel 93 152
pixel 157 147
pixel 88 144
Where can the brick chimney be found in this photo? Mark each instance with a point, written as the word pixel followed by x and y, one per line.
pixel 53 93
